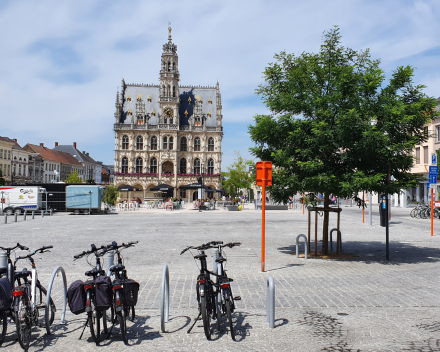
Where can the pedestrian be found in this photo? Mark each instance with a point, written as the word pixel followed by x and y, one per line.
pixel 290 202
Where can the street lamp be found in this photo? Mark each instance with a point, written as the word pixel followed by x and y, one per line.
pixel 203 181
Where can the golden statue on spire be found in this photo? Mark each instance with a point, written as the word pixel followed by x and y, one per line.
pixel 169 30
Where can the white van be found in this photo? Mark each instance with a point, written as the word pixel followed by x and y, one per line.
pixel 17 199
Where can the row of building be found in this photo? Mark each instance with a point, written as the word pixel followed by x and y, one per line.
pixel 40 164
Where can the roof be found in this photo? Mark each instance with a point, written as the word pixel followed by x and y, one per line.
pixel 15 145
pixel 52 155
pixel 70 149
pixel 146 93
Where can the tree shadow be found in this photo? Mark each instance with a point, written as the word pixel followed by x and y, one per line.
pixel 188 321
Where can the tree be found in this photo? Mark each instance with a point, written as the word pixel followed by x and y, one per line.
pixel 336 128
pixel 238 175
pixel 110 195
pixel 73 177
pixel 2 180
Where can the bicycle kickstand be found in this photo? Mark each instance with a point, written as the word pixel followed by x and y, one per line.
pixel 195 321
pixel 85 325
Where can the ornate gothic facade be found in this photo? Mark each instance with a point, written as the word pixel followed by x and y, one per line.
pixel 168 133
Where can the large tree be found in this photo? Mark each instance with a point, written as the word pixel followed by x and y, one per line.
pixel 336 127
pixel 238 175
pixel 2 180
pixel 73 177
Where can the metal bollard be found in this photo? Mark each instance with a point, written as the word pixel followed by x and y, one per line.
pixel 109 259
pixel 270 302
pixel 51 212
pixel 42 213
pixel 165 299
pixel 33 215
pixel 305 245
pixel 16 216
pixel 24 216
pixel 6 218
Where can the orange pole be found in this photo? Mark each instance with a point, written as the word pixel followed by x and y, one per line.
pixel 432 211
pixel 363 209
pixel 303 203
pixel 263 217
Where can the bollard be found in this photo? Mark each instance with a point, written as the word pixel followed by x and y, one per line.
pixel 42 213
pixel 270 302
pixel 305 245
pixel 3 260
pixel 24 216
pixel 6 218
pixel 331 240
pixel 16 216
pixel 109 258
pixel 33 215
pixel 51 212
pixel 165 299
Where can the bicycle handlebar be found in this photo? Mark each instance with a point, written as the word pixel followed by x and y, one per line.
pixel 10 249
pixel 212 244
pixel 43 249
pixel 93 250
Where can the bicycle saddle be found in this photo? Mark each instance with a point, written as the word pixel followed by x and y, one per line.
pixel 23 273
pixel 117 268
pixel 199 256
pixel 220 260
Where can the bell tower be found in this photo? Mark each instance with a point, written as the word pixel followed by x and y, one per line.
pixel 169 83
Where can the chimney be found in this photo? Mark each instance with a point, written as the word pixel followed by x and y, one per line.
pixel 56 144
pixel 15 140
pixel 84 152
pixel 74 145
pixel 42 145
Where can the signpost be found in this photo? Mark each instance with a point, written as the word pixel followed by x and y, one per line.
pixel 264 178
pixel 433 172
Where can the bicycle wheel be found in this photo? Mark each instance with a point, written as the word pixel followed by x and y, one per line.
pixel 23 321
pixel 4 319
pixel 95 328
pixel 413 213
pixel 229 314
pixel 123 325
pixel 40 302
pixel 206 317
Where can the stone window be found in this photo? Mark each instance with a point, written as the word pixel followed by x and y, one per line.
pixel 165 143
pixel 124 165
pixel 140 119
pixel 197 166
pixel 182 193
pixel 197 121
pixel 153 166
pixel 197 144
pixel 1 153
pixel 425 155
pixel 154 143
pixel 139 165
pixel 183 166
pixel 171 143
pixel 124 142
pixel 210 144
pixel 183 146
pixel 210 166
pixel 417 155
pixel 139 143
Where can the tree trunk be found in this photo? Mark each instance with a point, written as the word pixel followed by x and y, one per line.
pixel 325 225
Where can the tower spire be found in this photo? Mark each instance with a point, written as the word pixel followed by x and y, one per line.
pixel 169 33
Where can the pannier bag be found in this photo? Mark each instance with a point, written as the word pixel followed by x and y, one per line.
pixel 103 292
pixel 5 294
pixel 76 297
pixel 131 291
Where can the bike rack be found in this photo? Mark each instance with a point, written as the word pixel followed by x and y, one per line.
pixel 340 240
pixel 270 302
pixel 49 290
pixel 305 245
pixel 164 315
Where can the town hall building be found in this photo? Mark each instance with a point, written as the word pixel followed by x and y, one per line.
pixel 168 133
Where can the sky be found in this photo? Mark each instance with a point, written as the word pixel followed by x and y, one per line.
pixel 62 62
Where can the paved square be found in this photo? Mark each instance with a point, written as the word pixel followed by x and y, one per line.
pixel 361 304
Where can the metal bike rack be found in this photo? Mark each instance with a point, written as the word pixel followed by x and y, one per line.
pixel 331 240
pixel 49 290
pixel 297 245
pixel 164 315
pixel 270 302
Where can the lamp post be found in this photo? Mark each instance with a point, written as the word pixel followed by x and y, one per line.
pixel 203 181
pixel 251 171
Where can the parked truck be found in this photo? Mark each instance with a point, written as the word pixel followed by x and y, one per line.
pixel 84 199
pixel 17 199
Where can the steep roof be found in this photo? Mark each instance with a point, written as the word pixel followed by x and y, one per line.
pixel 15 145
pixel 70 149
pixel 52 155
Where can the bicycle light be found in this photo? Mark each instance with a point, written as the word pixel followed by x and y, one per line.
pixel 202 291
pixel 17 293
pixel 224 285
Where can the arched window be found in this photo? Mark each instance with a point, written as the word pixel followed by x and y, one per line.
pixel 183 166
pixel 197 144
pixel 171 143
pixel 210 144
pixel 197 166
pixel 169 90
pixel 183 144
pixel 169 66
pixel 165 143
pixel 139 165
pixel 19 169
pixel 153 166
pixel 197 121
pixel 124 164
pixel 140 119
pixel 174 67
pixel 154 143
pixel 210 166
pixel 139 143
pixel 124 142
pixel 174 91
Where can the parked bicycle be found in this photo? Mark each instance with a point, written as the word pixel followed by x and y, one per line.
pixel 30 299
pixel 423 211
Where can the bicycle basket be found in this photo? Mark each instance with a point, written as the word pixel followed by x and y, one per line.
pixel 131 291
pixel 76 297
pixel 5 294
pixel 103 292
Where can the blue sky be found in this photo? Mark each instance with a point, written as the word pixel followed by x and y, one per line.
pixel 62 61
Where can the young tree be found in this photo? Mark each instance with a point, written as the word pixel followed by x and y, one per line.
pixel 73 178
pixel 2 180
pixel 110 195
pixel 336 127
pixel 238 175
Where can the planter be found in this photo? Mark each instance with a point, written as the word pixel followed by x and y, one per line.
pixel 232 207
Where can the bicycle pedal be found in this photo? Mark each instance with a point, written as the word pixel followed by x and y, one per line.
pixel 237 298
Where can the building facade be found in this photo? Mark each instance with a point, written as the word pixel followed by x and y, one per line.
pixel 6 159
pixel 168 133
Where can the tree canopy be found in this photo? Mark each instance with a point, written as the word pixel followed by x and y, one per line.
pixel 336 126
pixel 73 178
pixel 110 195
pixel 238 176
pixel 2 180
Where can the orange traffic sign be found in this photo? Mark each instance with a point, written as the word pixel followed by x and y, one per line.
pixel 264 173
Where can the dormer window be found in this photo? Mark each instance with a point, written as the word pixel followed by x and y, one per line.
pixel 149 99
pixel 209 101
pixel 189 100
pixel 139 98
pixel 209 113
pixel 153 113
pixel 129 112
pixel 128 98
pixel 197 121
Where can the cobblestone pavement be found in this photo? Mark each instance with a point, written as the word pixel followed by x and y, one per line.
pixel 362 304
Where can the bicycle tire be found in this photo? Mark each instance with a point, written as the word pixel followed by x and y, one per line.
pixel 40 302
pixel 94 325
pixel 23 321
pixel 4 318
pixel 229 314
pixel 123 326
pixel 206 317
pixel 413 213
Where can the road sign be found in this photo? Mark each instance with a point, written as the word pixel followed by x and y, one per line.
pixel 432 178
pixel 433 170
pixel 264 173
pixel 428 185
pixel 433 158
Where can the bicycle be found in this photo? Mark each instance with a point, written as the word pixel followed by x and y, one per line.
pixel 206 297
pixel 125 291
pixel 94 315
pixel 26 306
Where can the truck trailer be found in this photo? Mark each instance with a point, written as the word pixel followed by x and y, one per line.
pixel 17 199
pixel 84 199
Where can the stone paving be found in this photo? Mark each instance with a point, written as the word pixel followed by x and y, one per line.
pixel 362 304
